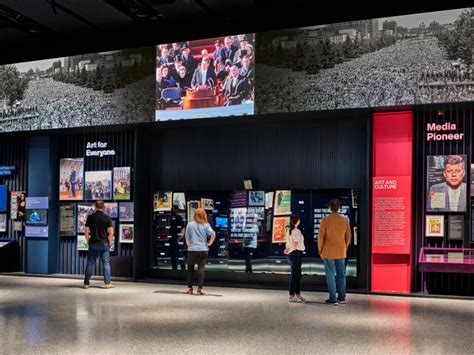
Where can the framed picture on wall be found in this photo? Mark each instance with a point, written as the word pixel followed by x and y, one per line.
pixel 456 227
pixel 111 209
pixel 269 200
pixel 98 185
pixel 434 226
pixel 280 226
pixel 207 203
pixel 82 244
pixel 126 211
pixel 179 200
pixel 126 233
pixel 71 173
pixel 192 207
pixel 3 222
pixel 162 201
pixel 282 204
pixel 83 211
pixel 446 183
pixel 256 198
pixel 67 219
pixel 472 180
pixel 122 184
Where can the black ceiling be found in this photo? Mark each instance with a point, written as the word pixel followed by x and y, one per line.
pixel 36 29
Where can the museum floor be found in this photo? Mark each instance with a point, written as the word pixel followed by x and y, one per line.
pixel 51 315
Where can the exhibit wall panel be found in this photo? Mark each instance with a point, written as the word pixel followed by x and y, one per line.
pixel 460 115
pixel 318 150
pixel 72 261
pixel 14 152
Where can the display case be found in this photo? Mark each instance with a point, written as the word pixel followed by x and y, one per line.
pixel 446 260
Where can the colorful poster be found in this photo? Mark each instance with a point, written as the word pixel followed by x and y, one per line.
pixel 98 185
pixel 71 172
pixel 434 226
pixel 122 184
pixel 280 226
pixel 446 183
pixel 111 209
pixel 282 203
pixel 162 201
pixel 126 233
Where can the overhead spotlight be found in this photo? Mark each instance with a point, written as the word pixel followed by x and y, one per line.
pixel 440 113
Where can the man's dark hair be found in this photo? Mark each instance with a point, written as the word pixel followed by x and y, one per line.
pixel 99 205
pixel 334 205
pixel 453 160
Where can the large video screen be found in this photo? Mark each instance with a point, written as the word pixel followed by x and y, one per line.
pixel 405 60
pixel 205 78
pixel 92 89
pixel 393 61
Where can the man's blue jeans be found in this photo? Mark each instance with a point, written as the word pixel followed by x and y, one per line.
pixel 98 250
pixel 336 269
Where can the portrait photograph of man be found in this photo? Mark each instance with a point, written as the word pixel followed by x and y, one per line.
pixel 446 183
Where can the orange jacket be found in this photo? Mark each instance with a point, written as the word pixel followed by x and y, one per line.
pixel 334 237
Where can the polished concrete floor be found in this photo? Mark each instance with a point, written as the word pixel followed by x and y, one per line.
pixel 46 315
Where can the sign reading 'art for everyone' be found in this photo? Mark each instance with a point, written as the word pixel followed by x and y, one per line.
pixel 98 149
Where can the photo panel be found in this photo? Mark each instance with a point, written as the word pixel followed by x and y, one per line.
pixel 122 183
pixel 446 183
pixel 280 227
pixel 126 233
pixel 179 200
pixel 84 210
pixel 205 78
pixel 126 211
pixel 82 90
pixel 162 201
pixel 98 185
pixel 71 173
pixel 282 204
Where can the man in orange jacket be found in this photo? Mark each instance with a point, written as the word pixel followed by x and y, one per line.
pixel 333 241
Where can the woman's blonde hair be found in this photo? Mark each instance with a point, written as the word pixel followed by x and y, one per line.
pixel 200 216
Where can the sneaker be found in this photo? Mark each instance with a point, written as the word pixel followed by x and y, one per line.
pixel 293 299
pixel 109 286
pixel 301 298
pixel 85 286
pixel 333 302
pixel 341 301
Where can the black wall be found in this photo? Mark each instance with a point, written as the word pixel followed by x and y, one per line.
pixel 304 151
pixel 461 114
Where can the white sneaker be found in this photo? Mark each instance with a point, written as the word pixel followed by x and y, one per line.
pixel 293 299
pixel 301 298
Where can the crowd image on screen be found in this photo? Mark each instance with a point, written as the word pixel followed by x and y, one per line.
pixel 206 65
pixel 405 66
pixel 85 90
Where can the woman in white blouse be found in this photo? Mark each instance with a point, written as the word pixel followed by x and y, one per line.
pixel 294 251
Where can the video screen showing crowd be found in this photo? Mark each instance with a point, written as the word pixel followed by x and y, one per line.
pixel 90 89
pixel 205 78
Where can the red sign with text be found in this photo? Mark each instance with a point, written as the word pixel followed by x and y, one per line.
pixel 391 215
